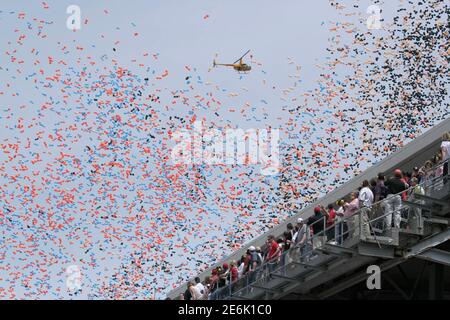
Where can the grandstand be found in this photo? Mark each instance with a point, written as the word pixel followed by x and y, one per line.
pixel 414 259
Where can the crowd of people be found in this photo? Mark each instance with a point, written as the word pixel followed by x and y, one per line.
pixel 380 197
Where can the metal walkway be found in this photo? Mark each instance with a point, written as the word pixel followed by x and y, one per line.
pixel 425 225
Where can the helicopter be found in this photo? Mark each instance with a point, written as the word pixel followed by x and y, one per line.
pixel 239 67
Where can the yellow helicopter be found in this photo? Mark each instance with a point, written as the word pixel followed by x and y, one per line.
pixel 238 65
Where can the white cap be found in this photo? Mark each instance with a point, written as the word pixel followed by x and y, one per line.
pixel 299 220
pixel 252 248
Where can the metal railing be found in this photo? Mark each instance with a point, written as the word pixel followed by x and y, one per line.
pixel 367 222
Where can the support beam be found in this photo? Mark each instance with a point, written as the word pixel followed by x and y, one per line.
pixel 428 243
pixel 437 220
pixel 419 205
pixel 310 266
pixel 337 251
pixel 372 250
pixel 436 255
pixel 434 200
pixel 283 277
pixel 263 288
pixel 238 297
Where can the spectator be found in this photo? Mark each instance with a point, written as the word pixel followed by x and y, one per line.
pixel 260 254
pixel 300 224
pixel 195 292
pixel 317 223
pixel 366 195
pixel 213 281
pixel 365 201
pixel 301 237
pixel 417 174
pixel 247 262
pixel 393 203
pixel 254 259
pixel 349 210
pixel 234 272
pixel 351 207
pixel 220 281
pixel 405 180
pixel 378 209
pixel 439 169
pixel 428 174
pixel 341 225
pixel 241 267
pixel 414 219
pixel 291 230
pixel 331 219
pixel 373 185
pixel 381 191
pixel 285 247
pixel 233 276
pixel 188 293
pixel 445 154
pixel 223 276
pixel 289 236
pixel 407 177
pixel 274 253
pixel 287 240
pixel 207 283
pixel 201 288
pixel 255 262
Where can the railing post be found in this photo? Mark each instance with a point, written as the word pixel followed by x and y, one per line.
pixel 360 222
pixel 246 280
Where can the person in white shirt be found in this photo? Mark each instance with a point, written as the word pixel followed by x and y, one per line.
pixel 241 267
pixel 201 289
pixel 365 201
pixel 365 195
pixel 445 154
pixel 415 217
pixel 195 292
pixel 340 222
pixel 300 240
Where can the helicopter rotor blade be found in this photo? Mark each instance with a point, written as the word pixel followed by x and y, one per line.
pixel 242 56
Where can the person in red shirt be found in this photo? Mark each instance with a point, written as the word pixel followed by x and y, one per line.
pixel 405 180
pixel 213 280
pixel 233 276
pixel 274 253
pixel 331 218
pixel 233 271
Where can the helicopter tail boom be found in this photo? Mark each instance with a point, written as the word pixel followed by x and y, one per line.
pixel 215 64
